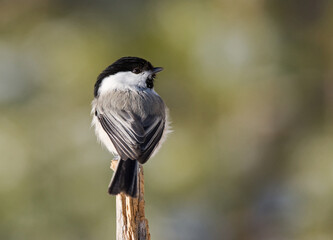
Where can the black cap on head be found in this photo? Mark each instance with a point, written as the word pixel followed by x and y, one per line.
pixel 124 64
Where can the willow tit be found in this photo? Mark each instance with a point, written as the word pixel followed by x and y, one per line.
pixel 130 118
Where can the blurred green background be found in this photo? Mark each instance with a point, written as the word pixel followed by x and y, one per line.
pixel 250 91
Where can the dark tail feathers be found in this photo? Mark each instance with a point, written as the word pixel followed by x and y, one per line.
pixel 125 178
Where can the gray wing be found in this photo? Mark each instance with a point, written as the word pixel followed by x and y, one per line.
pixel 133 138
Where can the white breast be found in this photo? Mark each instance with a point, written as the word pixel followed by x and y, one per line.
pixel 102 136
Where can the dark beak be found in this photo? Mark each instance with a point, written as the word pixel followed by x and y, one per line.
pixel 157 69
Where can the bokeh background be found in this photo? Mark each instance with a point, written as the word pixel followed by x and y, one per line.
pixel 250 91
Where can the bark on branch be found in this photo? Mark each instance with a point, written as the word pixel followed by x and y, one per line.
pixel 131 221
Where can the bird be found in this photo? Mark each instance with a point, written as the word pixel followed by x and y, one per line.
pixel 130 119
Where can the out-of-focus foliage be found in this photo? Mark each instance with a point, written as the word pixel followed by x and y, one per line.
pixel 249 87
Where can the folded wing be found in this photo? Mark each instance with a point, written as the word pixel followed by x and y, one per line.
pixel 133 137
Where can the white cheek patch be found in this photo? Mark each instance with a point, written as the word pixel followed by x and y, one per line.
pixel 124 80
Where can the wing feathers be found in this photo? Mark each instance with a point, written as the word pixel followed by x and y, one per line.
pixel 153 142
pixel 128 135
pixel 123 148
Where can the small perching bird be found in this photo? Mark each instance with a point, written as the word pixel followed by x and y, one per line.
pixel 130 118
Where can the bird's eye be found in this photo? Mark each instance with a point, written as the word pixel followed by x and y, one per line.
pixel 136 70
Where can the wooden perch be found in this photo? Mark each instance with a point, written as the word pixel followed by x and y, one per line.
pixel 131 221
